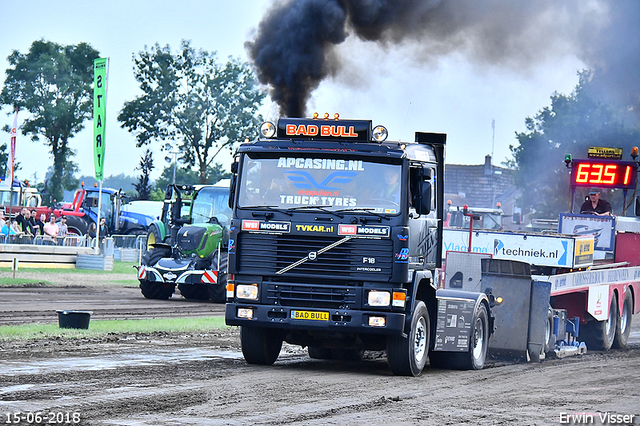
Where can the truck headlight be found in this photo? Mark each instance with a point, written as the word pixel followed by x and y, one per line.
pixel 247 291
pixel 379 298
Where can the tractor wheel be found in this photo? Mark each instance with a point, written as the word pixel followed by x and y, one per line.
pixel 218 292
pixel 153 236
pixel 155 290
pixel 194 291
pixel 76 225
pixel 408 355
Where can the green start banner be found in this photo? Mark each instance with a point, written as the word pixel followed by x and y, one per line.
pixel 99 114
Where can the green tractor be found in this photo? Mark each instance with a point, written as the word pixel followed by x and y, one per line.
pixel 189 250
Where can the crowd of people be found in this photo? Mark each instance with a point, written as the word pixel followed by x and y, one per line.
pixel 27 226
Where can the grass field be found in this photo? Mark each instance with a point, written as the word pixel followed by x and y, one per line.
pixel 104 327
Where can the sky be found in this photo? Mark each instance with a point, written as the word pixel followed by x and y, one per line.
pixel 450 93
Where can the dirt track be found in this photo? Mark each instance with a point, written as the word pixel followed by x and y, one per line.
pixel 201 379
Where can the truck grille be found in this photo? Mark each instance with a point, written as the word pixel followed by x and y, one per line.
pixel 311 295
pixel 358 258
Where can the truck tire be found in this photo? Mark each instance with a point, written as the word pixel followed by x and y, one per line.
pixel 218 292
pixel 155 290
pixel 260 345
pixel 194 291
pixel 475 357
pixel 407 356
pixel 623 326
pixel 599 335
pixel 76 225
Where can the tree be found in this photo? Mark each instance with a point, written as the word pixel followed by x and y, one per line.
pixel 54 84
pixel 67 180
pixel 570 125
pixel 146 165
pixel 191 99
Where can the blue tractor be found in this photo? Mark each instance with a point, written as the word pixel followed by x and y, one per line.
pixel 84 211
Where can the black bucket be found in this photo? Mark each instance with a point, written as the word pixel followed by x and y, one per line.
pixel 74 319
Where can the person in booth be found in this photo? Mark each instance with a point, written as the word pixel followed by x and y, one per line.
pixel 595 205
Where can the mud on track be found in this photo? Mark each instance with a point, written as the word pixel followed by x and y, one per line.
pixel 201 378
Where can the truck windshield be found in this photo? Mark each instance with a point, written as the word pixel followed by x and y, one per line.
pixel 325 182
pixel 211 202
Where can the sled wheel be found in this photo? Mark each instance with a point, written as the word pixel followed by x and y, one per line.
pixel 599 335
pixel 623 326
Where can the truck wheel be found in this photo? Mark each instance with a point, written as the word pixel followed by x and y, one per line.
pixel 260 345
pixel 599 335
pixel 479 344
pixel 194 291
pixel 153 236
pixel 218 292
pixel 623 327
pixel 476 356
pixel 408 355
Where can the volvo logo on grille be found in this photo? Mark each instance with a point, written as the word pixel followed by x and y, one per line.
pixel 313 255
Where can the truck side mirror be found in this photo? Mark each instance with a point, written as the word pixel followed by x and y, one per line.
pixel 232 185
pixel 423 205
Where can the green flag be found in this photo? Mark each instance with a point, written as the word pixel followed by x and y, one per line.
pixel 99 114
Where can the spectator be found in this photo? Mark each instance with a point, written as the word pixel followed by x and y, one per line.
pixel 38 225
pixel 23 221
pixel 64 230
pixel 92 230
pixel 7 228
pixel 51 230
pixel 104 231
pixel 2 220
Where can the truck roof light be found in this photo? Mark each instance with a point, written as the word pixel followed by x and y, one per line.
pixel 268 129
pixel 326 115
pixel 380 134
pixel 634 152
pixel 336 116
pixel 315 115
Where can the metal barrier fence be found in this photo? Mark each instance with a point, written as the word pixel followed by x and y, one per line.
pixel 108 245
pixel 39 240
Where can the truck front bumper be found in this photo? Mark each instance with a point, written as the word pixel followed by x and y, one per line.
pixel 343 320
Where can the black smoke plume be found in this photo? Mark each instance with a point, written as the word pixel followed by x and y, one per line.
pixel 295 44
